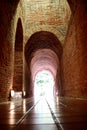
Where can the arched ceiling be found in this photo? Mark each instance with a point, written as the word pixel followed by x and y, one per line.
pixel 42 40
pixel 44 59
pixel 43 52
pixel 47 15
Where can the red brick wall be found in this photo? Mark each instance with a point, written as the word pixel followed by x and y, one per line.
pixel 74 60
pixel 6 50
pixel 7 39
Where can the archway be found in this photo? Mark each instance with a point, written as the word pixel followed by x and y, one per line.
pixel 18 58
pixel 42 52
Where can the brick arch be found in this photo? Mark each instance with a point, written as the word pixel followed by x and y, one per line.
pixel 41 44
pixel 44 39
pixel 45 59
pixel 18 58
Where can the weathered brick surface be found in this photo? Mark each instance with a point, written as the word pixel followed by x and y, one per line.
pixel 8 24
pixel 74 58
pixel 47 15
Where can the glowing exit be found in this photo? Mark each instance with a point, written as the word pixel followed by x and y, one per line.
pixel 43 85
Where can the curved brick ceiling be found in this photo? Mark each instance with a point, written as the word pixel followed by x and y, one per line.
pixel 42 40
pixel 47 15
pixel 44 59
pixel 43 52
pixel 46 26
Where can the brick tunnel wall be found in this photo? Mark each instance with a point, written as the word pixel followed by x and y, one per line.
pixel 8 22
pixel 6 51
pixel 74 60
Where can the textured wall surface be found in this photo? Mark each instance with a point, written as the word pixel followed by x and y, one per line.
pixel 47 15
pixel 9 13
pixel 75 53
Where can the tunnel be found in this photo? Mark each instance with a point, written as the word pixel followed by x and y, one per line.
pixel 43 52
pixel 43 64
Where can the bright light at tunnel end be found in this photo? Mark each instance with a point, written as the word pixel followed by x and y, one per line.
pixel 43 84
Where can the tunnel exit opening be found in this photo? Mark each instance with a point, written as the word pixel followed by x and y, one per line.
pixel 44 84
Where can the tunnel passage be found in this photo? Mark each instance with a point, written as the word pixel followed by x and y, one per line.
pixel 42 52
pixel 44 59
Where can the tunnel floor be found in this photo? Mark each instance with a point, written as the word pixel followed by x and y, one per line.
pixel 44 114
